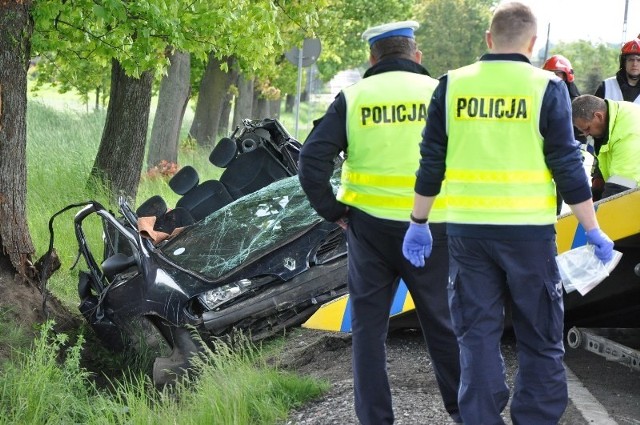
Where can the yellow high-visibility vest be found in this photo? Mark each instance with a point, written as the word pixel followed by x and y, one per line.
pixel 620 156
pixel 496 172
pixel 386 114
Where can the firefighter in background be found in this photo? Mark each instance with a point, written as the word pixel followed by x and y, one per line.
pixel 617 125
pixel 562 68
pixel 500 129
pixel 377 123
pixel 622 86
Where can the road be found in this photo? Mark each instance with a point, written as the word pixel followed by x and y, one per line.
pixel 614 387
pixel 601 392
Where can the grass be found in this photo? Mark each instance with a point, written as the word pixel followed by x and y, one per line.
pixel 232 387
pixel 36 386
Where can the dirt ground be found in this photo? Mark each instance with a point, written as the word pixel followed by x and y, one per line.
pixel 21 303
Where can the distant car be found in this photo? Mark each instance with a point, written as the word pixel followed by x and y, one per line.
pixel 259 264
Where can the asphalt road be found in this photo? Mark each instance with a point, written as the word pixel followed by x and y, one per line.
pixel 613 387
pixel 601 392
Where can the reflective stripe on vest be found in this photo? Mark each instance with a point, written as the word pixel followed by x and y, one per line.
pixel 496 172
pixel 612 90
pixel 386 114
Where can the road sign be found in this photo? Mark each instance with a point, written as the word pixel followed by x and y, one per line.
pixel 310 52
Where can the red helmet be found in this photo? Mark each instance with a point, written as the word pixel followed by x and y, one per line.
pixel 631 47
pixel 560 63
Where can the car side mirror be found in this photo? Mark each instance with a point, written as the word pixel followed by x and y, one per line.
pixel 117 263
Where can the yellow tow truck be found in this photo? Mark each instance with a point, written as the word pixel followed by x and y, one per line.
pixel 605 321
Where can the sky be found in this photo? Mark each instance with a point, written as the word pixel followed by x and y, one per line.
pixel 593 20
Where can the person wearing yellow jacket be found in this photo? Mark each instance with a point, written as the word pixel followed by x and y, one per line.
pixel 615 125
pixel 377 124
pixel 499 134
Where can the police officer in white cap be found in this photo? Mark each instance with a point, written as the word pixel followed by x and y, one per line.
pixel 377 123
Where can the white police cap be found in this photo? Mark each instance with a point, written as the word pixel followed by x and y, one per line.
pixel 393 29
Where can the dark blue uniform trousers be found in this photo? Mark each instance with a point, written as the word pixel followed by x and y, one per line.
pixel 484 274
pixel 375 263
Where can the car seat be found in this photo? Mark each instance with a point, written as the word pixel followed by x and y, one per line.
pixel 200 199
pixel 249 164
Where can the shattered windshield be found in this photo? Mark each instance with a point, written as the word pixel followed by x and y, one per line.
pixel 243 230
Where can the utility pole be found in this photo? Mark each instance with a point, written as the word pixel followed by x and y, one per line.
pixel 624 24
pixel 546 46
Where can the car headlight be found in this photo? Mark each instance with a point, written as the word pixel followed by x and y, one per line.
pixel 215 297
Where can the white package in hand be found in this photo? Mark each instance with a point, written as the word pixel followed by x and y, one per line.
pixel 581 270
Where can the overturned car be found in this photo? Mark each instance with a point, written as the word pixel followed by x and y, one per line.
pixel 259 263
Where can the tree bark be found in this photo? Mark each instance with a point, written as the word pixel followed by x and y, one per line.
pixel 274 108
pixel 244 100
pixel 289 103
pixel 261 107
pixel 172 102
pixel 15 50
pixel 225 114
pixel 121 153
pixel 227 103
pixel 213 89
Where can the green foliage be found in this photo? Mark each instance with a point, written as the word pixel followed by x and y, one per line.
pixel 60 151
pixel 76 41
pixel 39 389
pixel 342 26
pixel 12 338
pixel 589 73
pixel 452 32
pixel 233 386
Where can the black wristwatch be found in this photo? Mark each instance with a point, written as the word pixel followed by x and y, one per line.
pixel 418 220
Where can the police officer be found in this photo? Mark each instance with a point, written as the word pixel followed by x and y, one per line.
pixel 501 130
pixel 616 124
pixel 377 123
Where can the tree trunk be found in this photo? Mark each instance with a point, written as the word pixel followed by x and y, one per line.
pixel 289 103
pixel 119 160
pixel 172 102
pixel 225 114
pixel 15 51
pixel 274 108
pixel 255 113
pixel 261 107
pixel 227 102
pixel 213 88
pixel 244 100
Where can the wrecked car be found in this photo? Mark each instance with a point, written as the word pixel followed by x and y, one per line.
pixel 244 253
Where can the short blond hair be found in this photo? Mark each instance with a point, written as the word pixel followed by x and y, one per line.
pixel 513 24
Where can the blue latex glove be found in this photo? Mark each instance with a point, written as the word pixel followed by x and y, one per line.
pixel 417 244
pixel 603 246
